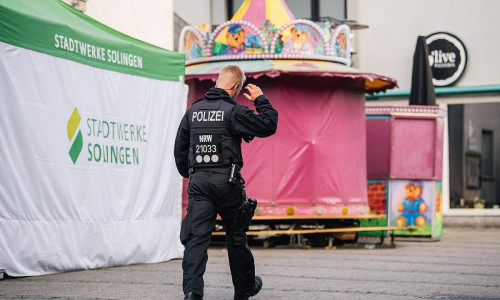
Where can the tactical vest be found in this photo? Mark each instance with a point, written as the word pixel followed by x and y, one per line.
pixel 211 142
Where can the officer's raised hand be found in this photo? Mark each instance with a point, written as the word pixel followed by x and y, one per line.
pixel 254 92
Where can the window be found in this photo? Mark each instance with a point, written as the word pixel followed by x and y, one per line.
pixel 487 154
pixel 300 9
pixel 304 9
pixel 333 8
pixel 474 158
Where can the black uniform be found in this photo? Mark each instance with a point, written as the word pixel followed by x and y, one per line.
pixel 208 141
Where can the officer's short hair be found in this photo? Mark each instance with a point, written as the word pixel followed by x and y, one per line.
pixel 236 71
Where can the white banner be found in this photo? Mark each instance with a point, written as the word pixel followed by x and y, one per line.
pixel 87 175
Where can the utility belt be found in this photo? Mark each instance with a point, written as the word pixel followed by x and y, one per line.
pixel 233 172
pixel 226 171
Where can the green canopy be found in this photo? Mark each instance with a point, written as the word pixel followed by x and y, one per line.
pixel 54 27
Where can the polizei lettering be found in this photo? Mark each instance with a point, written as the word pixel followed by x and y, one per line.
pixel 208 116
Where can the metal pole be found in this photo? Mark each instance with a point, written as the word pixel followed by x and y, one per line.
pixel 345 9
pixel 230 8
pixel 315 10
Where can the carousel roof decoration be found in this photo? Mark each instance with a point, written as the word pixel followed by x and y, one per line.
pixel 413 110
pixel 266 29
pixel 264 38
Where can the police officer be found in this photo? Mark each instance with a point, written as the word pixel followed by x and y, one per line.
pixel 207 145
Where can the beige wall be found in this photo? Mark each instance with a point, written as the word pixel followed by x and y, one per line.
pixel 387 46
pixel 150 21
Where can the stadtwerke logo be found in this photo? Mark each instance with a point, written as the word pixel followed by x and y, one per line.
pixel 76 146
pixel 106 141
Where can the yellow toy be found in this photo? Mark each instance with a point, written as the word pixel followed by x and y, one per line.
pixel 413 207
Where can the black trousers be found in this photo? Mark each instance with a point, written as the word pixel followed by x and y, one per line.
pixel 211 193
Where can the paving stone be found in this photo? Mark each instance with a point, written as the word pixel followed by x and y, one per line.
pixel 465 264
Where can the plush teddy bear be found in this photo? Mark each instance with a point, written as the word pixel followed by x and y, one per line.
pixel 299 41
pixel 235 40
pixel 413 207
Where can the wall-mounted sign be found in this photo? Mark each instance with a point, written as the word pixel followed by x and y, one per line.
pixel 447 58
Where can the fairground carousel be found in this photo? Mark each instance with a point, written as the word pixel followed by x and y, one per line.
pixel 314 167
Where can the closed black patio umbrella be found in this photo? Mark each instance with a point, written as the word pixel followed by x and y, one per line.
pixel 422 89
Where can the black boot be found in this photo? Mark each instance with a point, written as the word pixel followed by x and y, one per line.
pixel 255 290
pixel 192 296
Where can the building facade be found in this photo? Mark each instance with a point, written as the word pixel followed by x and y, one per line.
pixel 472 135
pixel 151 21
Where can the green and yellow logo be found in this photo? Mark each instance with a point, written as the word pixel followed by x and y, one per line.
pixel 77 145
pixel 106 141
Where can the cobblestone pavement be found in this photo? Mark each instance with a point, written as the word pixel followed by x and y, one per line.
pixel 465 264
